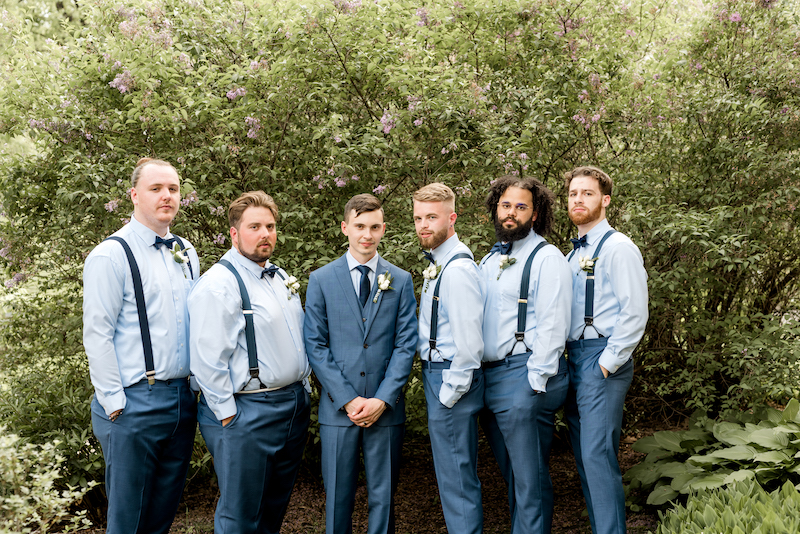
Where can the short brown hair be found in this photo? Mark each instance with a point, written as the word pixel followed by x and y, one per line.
pixel 144 162
pixel 258 199
pixel 436 192
pixel 606 184
pixel 361 203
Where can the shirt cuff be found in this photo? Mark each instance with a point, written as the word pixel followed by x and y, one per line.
pixel 448 396
pixel 224 409
pixel 537 382
pixel 610 361
pixel 112 403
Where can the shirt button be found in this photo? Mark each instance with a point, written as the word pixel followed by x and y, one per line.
pixel 364 319
pixel 366 346
pixel 362 373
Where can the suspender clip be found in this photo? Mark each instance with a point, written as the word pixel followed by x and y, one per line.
pixel 520 336
pixel 588 320
pixel 253 372
pixel 151 377
pixel 432 344
pixel 522 301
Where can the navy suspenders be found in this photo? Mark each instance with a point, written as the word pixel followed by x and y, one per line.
pixel 588 313
pixel 138 291
pixel 435 303
pixel 249 328
pixel 522 307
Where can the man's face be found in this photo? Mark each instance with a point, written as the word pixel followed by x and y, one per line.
pixel 515 214
pixel 156 197
pixel 364 232
pixel 586 204
pixel 256 236
pixel 434 223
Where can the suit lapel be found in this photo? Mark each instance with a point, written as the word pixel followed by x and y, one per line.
pixel 343 275
pixel 372 307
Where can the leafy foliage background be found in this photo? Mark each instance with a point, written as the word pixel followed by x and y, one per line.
pixel 691 107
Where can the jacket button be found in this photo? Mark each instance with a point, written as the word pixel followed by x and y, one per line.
pixel 366 346
pixel 363 373
pixel 364 319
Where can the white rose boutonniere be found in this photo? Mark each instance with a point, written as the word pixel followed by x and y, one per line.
pixel 384 284
pixel 587 264
pixel 430 273
pixel 293 285
pixel 505 263
pixel 181 257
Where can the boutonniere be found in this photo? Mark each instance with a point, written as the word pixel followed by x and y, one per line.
pixel 292 285
pixel 587 264
pixel 430 273
pixel 384 284
pixel 505 263
pixel 181 256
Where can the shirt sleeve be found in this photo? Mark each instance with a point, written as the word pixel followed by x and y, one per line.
pixel 463 288
pixel 552 303
pixel 216 319
pixel 103 293
pixel 628 280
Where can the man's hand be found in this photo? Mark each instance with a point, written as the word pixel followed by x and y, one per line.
pixel 114 415
pixel 605 371
pixel 368 412
pixel 227 420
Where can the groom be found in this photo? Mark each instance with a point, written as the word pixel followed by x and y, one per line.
pixel 360 333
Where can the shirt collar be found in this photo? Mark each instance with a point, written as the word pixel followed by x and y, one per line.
pixel 352 263
pixel 444 250
pixel 146 234
pixel 596 233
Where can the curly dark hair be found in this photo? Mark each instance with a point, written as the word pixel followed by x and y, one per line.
pixel 543 200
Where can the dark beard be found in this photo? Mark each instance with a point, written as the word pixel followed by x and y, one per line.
pixel 515 234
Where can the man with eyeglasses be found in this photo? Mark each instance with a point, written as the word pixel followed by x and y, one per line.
pixel 525 327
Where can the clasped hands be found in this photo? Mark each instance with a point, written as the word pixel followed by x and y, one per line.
pixel 364 412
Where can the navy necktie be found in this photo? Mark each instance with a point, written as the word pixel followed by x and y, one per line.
pixel 168 242
pixel 502 248
pixel 363 292
pixel 578 243
pixel 270 271
pixel 428 256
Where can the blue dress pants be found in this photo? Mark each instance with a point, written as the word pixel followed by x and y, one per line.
pixel 257 457
pixel 341 448
pixel 594 415
pixel 454 442
pixel 527 423
pixel 147 450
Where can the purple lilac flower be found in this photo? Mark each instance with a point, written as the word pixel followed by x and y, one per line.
pixel 219 239
pixel 233 94
pixel 111 205
pixel 16 279
pixel 191 198
pixel 337 138
pixel 218 211
pixel 255 126
pixel 736 17
pixel 5 252
pixel 422 13
pixel 123 82
pixel 418 122
pixel 355 178
pixel 340 182
pixel 379 189
pixel 388 122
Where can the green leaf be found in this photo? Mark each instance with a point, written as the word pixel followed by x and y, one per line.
pixel 670 441
pixel 661 495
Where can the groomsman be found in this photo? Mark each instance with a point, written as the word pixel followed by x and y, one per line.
pixel 361 335
pixel 451 346
pixel 609 314
pixel 525 325
pixel 136 336
pixel 250 362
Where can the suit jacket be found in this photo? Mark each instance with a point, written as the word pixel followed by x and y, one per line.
pixel 355 352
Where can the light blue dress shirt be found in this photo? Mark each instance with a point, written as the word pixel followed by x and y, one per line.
pixel 218 342
pixel 548 313
pixel 355 274
pixel 111 334
pixel 620 295
pixel 459 336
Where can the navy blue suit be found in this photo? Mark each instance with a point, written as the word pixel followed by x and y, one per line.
pixel 365 352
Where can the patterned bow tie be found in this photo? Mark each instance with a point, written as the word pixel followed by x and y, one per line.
pixel 270 271
pixel 578 243
pixel 167 242
pixel 502 248
pixel 428 256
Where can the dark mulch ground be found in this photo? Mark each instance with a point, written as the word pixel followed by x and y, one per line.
pixel 417 502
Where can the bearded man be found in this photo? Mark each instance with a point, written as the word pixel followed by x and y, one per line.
pixel 525 325
pixel 609 314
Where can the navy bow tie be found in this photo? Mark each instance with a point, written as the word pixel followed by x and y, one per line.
pixel 270 271
pixel 428 256
pixel 168 242
pixel 578 243
pixel 502 248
